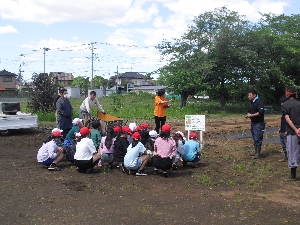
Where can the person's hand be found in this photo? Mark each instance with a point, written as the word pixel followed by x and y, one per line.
pixel 171 100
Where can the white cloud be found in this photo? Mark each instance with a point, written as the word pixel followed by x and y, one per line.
pixel 109 12
pixel 8 29
pixel 251 9
pixel 58 45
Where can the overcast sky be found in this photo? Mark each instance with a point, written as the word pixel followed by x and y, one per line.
pixel 124 32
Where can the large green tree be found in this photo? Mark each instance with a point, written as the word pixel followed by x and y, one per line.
pixel 213 51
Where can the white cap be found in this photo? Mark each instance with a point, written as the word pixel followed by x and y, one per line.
pixel 132 126
pixel 76 121
pixel 153 134
pixel 180 133
pixel 55 129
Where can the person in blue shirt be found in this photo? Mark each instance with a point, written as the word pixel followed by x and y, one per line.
pixel 191 151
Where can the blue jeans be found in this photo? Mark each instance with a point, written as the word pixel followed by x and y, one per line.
pixel 257 131
pixel 107 157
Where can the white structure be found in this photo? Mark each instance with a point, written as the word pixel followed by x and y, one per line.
pixel 73 92
pixel 99 92
pixel 17 121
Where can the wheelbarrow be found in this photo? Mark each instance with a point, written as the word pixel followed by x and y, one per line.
pixel 106 121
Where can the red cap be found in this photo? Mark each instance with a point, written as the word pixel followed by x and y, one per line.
pixel 166 128
pixel 56 133
pixel 193 135
pixel 136 135
pixel 84 131
pixel 126 129
pixel 117 129
pixel 138 128
pixel 144 126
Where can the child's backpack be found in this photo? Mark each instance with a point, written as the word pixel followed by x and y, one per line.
pixel 71 149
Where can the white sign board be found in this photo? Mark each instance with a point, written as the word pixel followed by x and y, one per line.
pixel 195 122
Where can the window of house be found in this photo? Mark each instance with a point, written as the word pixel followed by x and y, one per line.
pixel 135 82
pixel 7 79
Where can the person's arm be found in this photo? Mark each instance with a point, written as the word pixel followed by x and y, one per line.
pixel 59 107
pixel 87 104
pixel 291 124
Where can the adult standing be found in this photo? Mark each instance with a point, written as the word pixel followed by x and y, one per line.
pixel 291 112
pixel 256 115
pixel 87 105
pixel 65 112
pixel 161 103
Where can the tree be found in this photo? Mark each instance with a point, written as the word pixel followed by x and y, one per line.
pixel 221 34
pixel 212 51
pixel 42 95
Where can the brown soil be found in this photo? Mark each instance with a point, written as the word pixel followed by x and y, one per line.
pixel 229 187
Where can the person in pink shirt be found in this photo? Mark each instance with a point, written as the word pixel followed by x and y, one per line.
pixel 107 146
pixel 164 151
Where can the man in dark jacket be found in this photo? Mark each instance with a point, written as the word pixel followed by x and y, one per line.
pixel 256 115
pixel 65 112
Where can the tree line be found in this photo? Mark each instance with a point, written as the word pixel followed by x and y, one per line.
pixel 222 54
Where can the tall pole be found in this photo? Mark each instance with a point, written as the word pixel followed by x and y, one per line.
pixel 117 79
pixel 92 82
pixel 45 49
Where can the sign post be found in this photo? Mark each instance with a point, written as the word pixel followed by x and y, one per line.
pixel 194 123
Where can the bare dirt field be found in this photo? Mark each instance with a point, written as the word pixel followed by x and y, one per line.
pixel 228 188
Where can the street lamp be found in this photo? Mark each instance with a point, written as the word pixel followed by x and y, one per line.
pixel 45 49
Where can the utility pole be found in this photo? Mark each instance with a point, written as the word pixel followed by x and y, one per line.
pixel 45 49
pixel 20 79
pixel 92 81
pixel 117 80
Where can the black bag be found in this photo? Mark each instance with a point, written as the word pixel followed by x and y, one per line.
pixel 71 149
pixel 162 163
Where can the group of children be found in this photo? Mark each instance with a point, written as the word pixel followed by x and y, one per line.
pixel 132 147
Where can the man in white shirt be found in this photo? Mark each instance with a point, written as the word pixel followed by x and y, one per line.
pixel 87 105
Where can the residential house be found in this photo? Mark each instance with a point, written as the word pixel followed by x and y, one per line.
pixel 62 79
pixel 132 77
pixel 7 81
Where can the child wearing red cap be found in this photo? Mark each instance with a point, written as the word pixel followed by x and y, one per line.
pixel 144 133
pixel 136 156
pixel 50 153
pixel 86 156
pixel 191 151
pixel 164 151
pixel 120 147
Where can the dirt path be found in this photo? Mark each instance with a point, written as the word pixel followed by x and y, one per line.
pixel 228 188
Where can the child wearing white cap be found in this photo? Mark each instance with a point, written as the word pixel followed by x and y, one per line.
pixel 77 124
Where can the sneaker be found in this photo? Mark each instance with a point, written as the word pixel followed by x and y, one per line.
pixel 140 173
pixel 155 172
pixel 53 167
pixel 121 168
pixel 174 167
pixel 165 173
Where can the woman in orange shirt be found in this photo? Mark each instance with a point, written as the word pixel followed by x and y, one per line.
pixel 161 103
